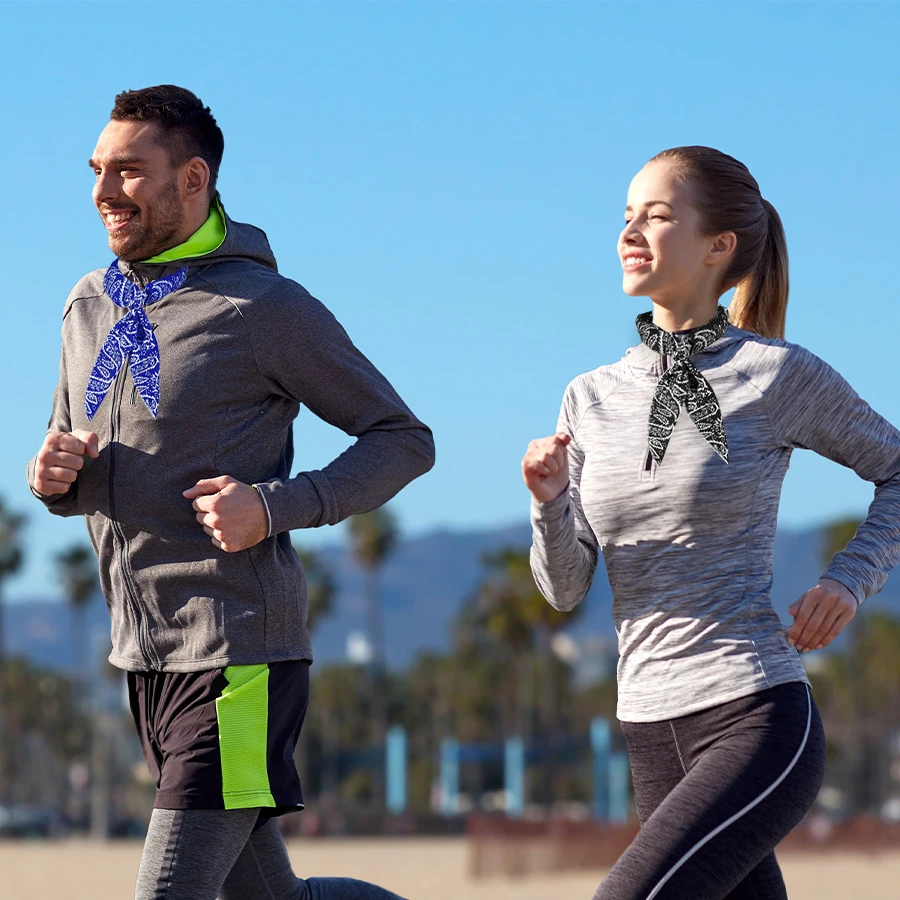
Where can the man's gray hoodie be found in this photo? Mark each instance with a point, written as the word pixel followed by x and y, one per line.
pixel 241 348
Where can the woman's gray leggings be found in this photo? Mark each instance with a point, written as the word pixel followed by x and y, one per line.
pixel 716 791
pixel 204 854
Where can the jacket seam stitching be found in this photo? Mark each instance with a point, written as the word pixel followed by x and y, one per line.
pixel 594 403
pixel 750 517
pixel 770 419
pixel 677 748
pixel 743 607
pixel 244 322
pixel 262 594
pixel 219 440
pixel 249 338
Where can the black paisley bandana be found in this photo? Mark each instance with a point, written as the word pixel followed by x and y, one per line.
pixel 684 384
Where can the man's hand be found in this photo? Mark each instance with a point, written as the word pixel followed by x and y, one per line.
pixel 61 458
pixel 231 513
pixel 820 615
pixel 545 467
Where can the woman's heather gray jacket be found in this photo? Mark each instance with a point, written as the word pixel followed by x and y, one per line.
pixel 241 348
pixel 688 545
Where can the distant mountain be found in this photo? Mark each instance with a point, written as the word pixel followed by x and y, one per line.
pixel 423 586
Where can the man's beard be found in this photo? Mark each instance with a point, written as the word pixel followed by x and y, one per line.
pixel 157 229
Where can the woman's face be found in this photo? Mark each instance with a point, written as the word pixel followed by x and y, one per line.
pixel 662 252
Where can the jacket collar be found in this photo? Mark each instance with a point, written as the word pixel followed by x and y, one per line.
pixel 241 242
pixel 207 238
pixel 642 357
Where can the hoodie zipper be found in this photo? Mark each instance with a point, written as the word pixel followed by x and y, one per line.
pixel 142 630
pixel 650 462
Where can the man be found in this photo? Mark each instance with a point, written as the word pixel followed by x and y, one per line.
pixel 183 367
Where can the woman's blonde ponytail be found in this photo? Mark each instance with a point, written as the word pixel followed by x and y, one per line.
pixel 760 300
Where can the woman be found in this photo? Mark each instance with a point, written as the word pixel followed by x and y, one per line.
pixel 726 745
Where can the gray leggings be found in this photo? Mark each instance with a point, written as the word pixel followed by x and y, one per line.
pixel 202 854
pixel 716 791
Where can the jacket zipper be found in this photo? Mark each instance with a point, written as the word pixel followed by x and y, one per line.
pixel 648 464
pixel 140 620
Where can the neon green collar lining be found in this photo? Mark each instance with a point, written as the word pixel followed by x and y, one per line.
pixel 208 237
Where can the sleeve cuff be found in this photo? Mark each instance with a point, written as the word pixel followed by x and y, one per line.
pixel 551 511
pixel 29 477
pixel 265 504
pixel 294 503
pixel 48 499
pixel 857 590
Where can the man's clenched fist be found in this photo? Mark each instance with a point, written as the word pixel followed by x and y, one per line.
pixel 545 467
pixel 231 513
pixel 61 458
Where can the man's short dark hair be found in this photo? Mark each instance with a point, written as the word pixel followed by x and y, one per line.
pixel 188 127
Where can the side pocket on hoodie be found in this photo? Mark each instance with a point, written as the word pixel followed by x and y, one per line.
pixel 202 621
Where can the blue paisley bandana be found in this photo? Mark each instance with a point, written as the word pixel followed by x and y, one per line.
pixel 684 383
pixel 131 338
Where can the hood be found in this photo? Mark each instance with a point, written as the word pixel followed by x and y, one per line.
pixel 642 357
pixel 242 242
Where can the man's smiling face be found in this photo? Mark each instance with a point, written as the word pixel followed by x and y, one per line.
pixel 136 190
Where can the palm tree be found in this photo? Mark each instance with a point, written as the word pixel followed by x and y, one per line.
pixel 514 585
pixel 320 591
pixel 76 568
pixel 837 535
pixel 11 556
pixel 320 587
pixel 372 537
pixel 519 617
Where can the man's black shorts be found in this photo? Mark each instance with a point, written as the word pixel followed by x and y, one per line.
pixel 223 738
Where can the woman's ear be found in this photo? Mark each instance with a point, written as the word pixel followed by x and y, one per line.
pixel 722 248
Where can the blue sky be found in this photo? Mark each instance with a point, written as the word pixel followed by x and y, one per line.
pixel 450 180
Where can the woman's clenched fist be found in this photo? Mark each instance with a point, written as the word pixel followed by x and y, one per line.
pixel 545 467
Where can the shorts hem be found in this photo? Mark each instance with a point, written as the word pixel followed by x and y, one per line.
pixel 244 799
pixel 235 800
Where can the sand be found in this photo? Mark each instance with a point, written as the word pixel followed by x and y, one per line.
pixel 414 867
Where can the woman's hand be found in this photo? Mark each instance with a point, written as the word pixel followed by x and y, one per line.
pixel 820 615
pixel 545 467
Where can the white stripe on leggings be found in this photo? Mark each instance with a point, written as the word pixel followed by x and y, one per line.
pixel 747 808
